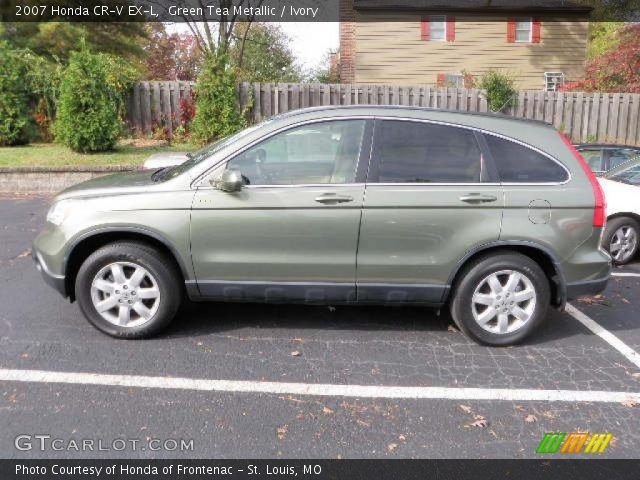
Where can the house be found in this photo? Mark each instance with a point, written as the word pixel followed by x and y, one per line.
pixel 543 43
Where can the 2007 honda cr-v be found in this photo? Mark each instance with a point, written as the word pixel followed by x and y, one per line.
pixel 497 218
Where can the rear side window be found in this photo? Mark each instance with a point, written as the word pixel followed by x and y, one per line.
pixel 519 164
pixel 417 152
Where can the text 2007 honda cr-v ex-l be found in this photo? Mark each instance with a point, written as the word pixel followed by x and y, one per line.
pixel 496 218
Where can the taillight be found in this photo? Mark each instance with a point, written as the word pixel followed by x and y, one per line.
pixel 599 211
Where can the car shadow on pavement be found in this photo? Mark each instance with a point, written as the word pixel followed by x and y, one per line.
pixel 195 319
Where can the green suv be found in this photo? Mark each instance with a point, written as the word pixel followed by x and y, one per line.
pixel 495 217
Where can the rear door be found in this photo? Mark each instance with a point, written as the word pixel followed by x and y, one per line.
pixel 431 197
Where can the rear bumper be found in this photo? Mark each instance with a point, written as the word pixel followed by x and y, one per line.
pixel 57 282
pixel 590 287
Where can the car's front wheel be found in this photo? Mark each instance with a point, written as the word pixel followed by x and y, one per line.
pixel 500 298
pixel 621 239
pixel 128 290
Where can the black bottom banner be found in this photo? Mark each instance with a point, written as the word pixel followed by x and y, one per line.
pixel 319 469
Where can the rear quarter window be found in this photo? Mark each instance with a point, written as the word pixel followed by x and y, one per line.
pixel 520 164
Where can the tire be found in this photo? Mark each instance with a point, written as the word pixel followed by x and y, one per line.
pixel 624 233
pixel 477 278
pixel 150 290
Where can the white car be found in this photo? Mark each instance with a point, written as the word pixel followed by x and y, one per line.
pixel 165 159
pixel 621 187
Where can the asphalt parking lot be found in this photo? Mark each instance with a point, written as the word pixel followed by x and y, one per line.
pixel 344 346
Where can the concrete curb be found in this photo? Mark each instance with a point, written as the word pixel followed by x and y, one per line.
pixel 50 179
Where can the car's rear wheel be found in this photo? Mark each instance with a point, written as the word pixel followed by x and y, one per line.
pixel 621 239
pixel 500 298
pixel 128 290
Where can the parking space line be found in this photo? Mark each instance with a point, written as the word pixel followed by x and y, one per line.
pixel 322 390
pixel 605 334
pixel 625 274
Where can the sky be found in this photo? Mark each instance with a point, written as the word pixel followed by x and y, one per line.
pixel 309 41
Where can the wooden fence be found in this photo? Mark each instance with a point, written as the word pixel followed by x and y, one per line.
pixel 584 117
pixel 156 104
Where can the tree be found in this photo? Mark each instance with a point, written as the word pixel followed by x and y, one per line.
pixel 173 56
pixel 261 53
pixel 55 40
pixel 14 97
pixel 88 116
pixel 613 10
pixel 217 112
pixel 618 69
pixel 603 37
pixel 215 38
pixel 327 71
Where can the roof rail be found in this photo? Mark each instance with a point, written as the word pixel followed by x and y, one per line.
pixel 302 111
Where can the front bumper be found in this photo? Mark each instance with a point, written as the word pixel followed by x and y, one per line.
pixel 55 281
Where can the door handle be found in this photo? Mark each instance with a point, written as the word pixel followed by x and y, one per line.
pixel 332 198
pixel 478 198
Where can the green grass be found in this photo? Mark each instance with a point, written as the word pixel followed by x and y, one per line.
pixel 56 155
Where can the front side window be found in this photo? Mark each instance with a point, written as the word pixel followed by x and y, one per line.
pixel 437 27
pixel 316 153
pixel 519 164
pixel 523 29
pixel 418 152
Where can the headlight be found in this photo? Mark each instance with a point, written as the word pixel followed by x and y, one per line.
pixel 59 211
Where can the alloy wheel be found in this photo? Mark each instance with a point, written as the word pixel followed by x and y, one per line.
pixel 623 243
pixel 503 302
pixel 125 294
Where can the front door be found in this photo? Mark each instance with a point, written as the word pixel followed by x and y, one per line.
pixel 431 198
pixel 291 233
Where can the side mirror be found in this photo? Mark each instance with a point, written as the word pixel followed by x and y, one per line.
pixel 229 181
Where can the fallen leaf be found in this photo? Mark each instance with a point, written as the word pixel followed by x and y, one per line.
pixel 480 423
pixel 452 329
pixel 327 410
pixel 478 417
pixel 520 408
pixel 402 438
pixel 300 416
pixel 24 254
pixel 282 432
pixel 296 353
pixel 465 408
pixel 531 418
pixel 392 446
pixel 630 402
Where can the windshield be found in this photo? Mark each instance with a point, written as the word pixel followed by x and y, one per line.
pixel 628 172
pixel 204 153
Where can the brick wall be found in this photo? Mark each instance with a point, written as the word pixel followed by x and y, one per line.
pixel 347 41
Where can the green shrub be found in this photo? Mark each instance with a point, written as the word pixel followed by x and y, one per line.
pixel 89 105
pixel 217 113
pixel 500 90
pixel 15 98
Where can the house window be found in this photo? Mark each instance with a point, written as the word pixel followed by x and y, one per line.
pixel 524 28
pixel 438 28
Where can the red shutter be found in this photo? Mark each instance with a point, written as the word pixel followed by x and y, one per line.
pixel 451 29
pixel 424 28
pixel 440 82
pixel 535 34
pixel 511 30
